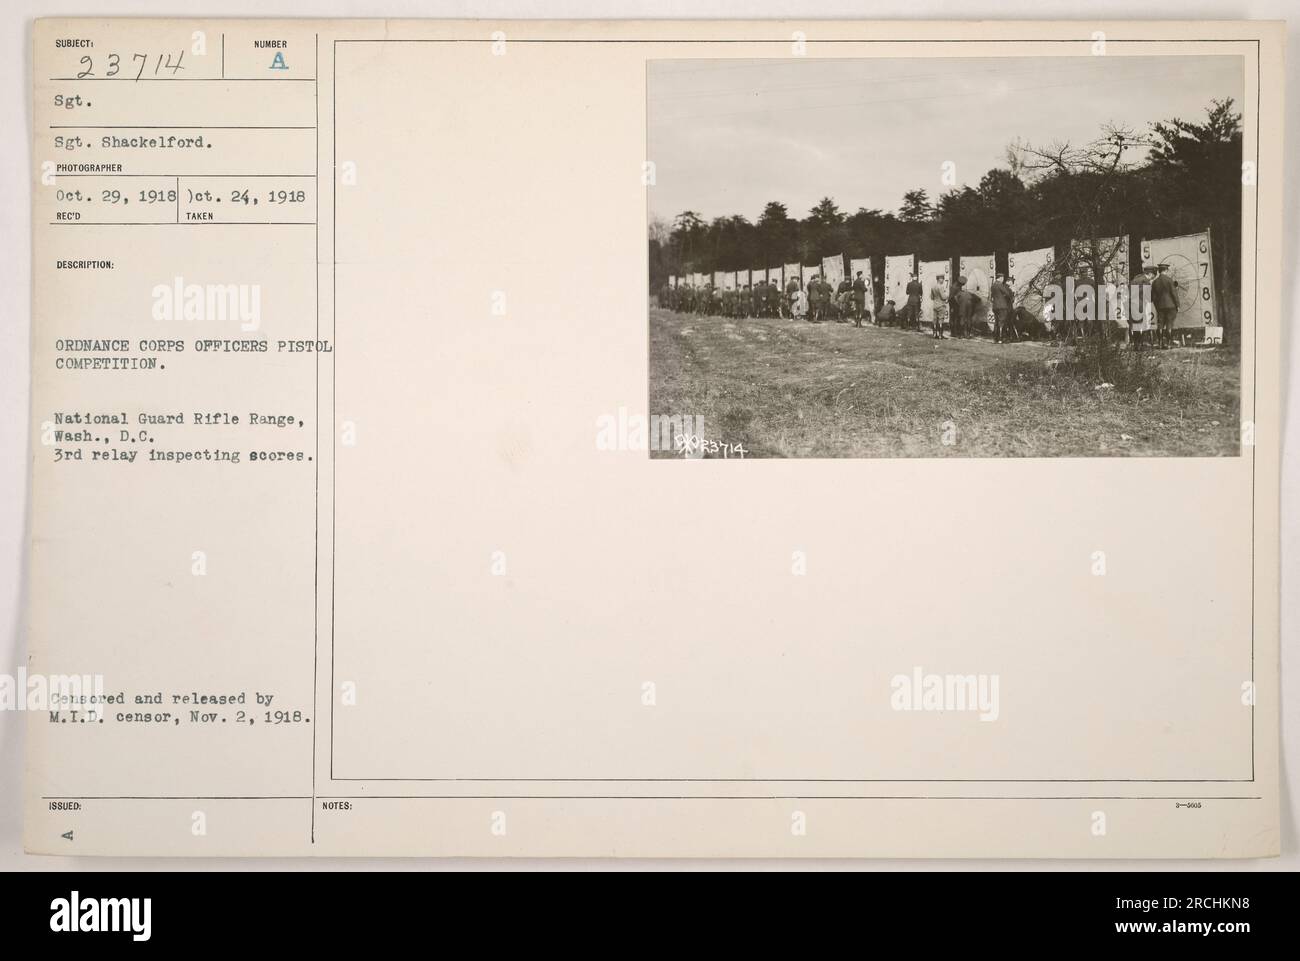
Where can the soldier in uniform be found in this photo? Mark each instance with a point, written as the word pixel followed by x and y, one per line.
pixel 912 312
pixel 844 299
pixel 1164 297
pixel 859 299
pixel 1001 300
pixel 964 308
pixel 814 299
pixel 939 304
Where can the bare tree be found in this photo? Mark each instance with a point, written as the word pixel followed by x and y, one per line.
pixel 1086 185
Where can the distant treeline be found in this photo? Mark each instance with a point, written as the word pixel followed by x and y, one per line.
pixel 1191 178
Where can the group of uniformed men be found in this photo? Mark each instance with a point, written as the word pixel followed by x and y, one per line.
pixel 816 302
pixel 1153 309
pixel 819 301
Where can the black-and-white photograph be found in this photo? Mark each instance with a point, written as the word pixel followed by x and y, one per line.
pixel 1010 257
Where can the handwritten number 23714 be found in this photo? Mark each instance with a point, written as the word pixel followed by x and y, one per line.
pixel 162 63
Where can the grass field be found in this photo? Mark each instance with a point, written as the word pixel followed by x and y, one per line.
pixel 787 389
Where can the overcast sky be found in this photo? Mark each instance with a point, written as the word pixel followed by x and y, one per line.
pixel 727 136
